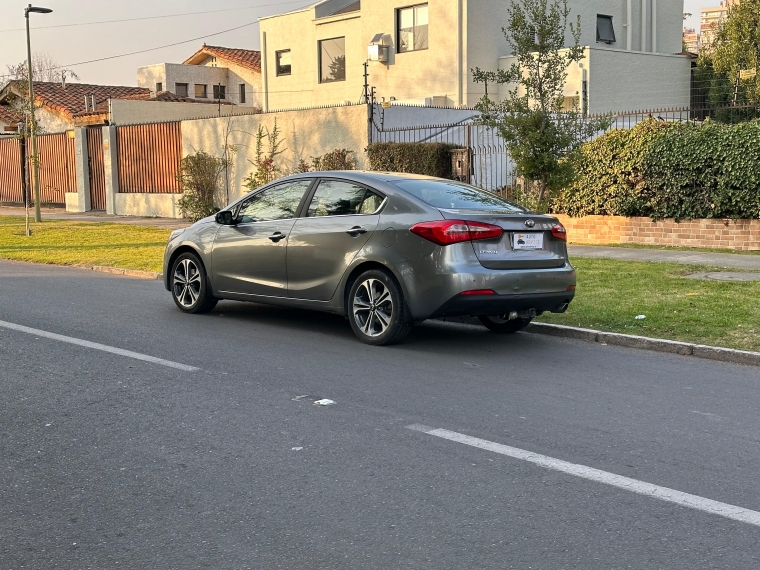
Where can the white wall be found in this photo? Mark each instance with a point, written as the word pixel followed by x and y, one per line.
pixel 621 81
pixel 126 112
pixel 305 134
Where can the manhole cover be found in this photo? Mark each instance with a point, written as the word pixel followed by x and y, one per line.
pixel 726 276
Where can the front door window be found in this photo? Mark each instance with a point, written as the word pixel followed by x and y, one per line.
pixel 278 203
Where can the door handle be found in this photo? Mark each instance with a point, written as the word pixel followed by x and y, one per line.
pixel 356 231
pixel 277 236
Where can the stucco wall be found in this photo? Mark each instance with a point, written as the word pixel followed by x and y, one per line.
pixel 49 122
pixel 621 81
pixel 148 205
pixel 305 134
pixel 124 112
pixel 437 70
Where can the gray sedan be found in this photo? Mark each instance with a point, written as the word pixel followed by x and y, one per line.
pixel 385 250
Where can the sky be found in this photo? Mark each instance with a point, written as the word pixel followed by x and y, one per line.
pixel 73 44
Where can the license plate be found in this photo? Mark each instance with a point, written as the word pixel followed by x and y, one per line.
pixel 528 241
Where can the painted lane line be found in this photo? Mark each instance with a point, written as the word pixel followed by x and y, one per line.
pixel 633 485
pixel 98 346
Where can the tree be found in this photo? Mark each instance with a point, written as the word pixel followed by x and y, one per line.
pixel 737 48
pixel 44 68
pixel 539 132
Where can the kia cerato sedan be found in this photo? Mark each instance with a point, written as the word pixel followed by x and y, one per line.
pixel 384 250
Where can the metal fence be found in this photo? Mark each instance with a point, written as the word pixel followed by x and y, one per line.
pixel 149 158
pixel 11 187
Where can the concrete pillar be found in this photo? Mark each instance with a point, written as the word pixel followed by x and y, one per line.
pixel 111 164
pixel 82 203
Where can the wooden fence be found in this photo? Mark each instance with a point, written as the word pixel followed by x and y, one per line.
pixel 11 187
pixel 149 158
pixel 58 173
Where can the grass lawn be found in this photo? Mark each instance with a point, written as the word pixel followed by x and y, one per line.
pixel 677 248
pixel 611 293
pixel 71 243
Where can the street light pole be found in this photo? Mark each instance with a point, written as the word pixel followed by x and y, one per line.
pixel 33 121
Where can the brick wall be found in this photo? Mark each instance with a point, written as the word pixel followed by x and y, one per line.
pixel 719 234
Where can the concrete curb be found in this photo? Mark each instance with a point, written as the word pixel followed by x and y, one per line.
pixel 656 344
pixel 118 271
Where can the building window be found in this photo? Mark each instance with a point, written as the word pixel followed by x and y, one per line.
pixel 159 87
pixel 412 28
pixel 180 89
pixel 201 91
pixel 220 92
pixel 242 93
pixel 332 60
pixel 605 31
pixel 283 62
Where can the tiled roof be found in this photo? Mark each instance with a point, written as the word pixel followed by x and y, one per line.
pixel 9 116
pixel 247 58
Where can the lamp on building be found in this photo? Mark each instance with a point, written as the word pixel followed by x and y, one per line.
pixel 32 122
pixel 378 50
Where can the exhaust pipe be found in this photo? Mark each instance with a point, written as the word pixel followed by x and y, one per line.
pixel 562 308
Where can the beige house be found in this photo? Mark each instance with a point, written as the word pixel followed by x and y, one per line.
pixel 424 52
pixel 211 74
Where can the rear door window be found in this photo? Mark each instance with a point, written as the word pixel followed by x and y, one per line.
pixel 456 196
pixel 342 198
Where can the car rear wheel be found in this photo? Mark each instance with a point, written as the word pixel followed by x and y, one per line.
pixel 189 285
pixel 502 325
pixel 377 311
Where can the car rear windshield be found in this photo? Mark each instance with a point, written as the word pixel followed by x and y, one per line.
pixel 456 196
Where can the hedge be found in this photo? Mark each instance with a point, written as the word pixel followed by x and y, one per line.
pixel 431 159
pixel 668 170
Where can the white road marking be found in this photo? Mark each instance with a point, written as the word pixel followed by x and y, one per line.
pixel 98 346
pixel 633 485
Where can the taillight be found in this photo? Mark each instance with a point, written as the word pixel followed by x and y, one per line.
pixel 479 292
pixel 447 232
pixel 559 232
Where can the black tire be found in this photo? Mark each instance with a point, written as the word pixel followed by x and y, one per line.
pixel 383 320
pixel 189 285
pixel 500 325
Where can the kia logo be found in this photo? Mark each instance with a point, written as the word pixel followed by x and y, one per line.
pixel 529 223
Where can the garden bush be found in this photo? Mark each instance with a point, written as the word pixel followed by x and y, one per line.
pixel 668 170
pixel 198 177
pixel 431 159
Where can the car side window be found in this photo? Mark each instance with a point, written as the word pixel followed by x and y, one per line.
pixel 277 203
pixel 339 198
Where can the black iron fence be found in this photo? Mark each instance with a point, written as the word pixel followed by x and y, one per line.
pixel 485 161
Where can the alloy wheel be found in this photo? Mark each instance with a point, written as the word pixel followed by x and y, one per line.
pixel 372 307
pixel 187 283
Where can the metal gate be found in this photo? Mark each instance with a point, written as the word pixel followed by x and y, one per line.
pixel 149 158
pixel 96 168
pixel 58 173
pixel 11 186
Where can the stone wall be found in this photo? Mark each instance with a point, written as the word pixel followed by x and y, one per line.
pixel 710 233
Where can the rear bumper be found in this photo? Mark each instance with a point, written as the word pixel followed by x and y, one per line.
pixel 476 305
pixel 433 285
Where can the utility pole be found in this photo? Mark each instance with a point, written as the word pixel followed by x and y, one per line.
pixel 32 120
pixel 24 175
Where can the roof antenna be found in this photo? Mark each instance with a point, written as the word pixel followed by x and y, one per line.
pixel 63 79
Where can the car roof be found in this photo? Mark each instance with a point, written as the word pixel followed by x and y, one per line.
pixel 365 176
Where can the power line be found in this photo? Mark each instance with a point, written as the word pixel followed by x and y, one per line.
pixel 152 17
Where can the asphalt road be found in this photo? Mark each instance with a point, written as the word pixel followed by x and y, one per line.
pixel 108 461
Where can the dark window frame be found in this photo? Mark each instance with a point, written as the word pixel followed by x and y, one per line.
pixel 599 38
pixel 398 28
pixel 205 90
pixel 319 62
pixel 159 86
pixel 186 87
pixel 220 92
pixel 277 71
pixel 241 93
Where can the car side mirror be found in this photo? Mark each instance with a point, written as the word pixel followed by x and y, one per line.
pixel 225 218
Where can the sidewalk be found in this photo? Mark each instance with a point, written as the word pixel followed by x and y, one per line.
pixel 732 260
pixel 60 214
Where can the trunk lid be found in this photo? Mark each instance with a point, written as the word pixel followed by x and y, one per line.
pixel 521 246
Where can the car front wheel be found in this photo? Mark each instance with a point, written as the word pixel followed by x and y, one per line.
pixel 189 285
pixel 377 311
pixel 502 325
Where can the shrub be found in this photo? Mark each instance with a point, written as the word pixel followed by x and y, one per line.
pixel 198 178
pixel 338 159
pixel 431 159
pixel 668 170
pixel 265 165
